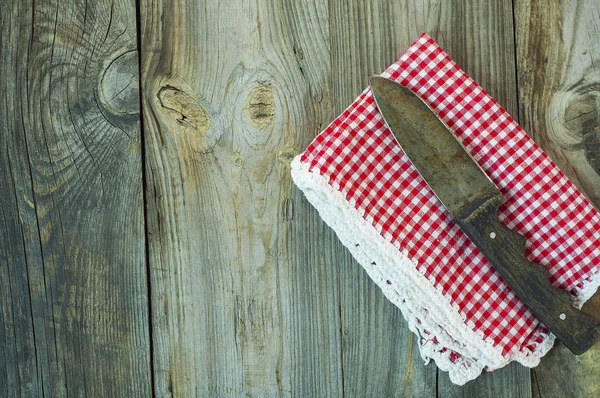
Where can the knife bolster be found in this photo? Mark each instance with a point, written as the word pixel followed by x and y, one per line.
pixel 485 204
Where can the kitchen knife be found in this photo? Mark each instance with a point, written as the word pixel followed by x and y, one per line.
pixel 473 201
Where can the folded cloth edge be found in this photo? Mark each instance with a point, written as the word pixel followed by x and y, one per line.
pixel 344 219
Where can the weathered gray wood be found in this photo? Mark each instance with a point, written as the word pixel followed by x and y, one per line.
pixel 380 355
pixel 512 381
pixel 559 85
pixel 369 36
pixel 251 292
pixel 559 81
pixel 366 38
pixel 244 277
pixel 73 304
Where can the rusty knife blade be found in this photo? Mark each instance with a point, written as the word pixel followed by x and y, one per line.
pixel 455 178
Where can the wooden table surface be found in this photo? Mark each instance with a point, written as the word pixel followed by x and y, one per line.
pixel 151 239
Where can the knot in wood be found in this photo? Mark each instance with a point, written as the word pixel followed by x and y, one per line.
pixel 184 109
pixel 119 85
pixel 260 106
pixel 578 127
pixel 286 155
pixel 187 119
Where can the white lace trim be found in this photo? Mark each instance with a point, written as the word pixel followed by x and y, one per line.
pixel 587 291
pixel 428 312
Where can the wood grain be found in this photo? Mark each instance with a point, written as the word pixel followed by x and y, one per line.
pixel 559 82
pixel 73 303
pixel 366 38
pixel 511 381
pixel 251 293
pixel 559 85
pixel 244 278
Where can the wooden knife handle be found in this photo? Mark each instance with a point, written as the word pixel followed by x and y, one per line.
pixel 505 250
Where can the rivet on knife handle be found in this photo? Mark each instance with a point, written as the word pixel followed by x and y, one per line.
pixel 473 200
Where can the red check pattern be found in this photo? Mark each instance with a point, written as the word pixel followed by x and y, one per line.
pixel 360 157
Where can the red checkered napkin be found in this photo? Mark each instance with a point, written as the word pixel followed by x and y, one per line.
pixel 366 189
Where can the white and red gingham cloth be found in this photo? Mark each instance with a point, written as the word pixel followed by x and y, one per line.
pixel 366 189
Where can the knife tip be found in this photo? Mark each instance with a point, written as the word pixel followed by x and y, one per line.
pixel 374 77
pixel 374 81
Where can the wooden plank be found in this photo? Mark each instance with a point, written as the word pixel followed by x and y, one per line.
pixel 558 85
pixel 380 355
pixel 366 38
pixel 73 298
pixel 244 282
pixel 557 53
pixel 511 381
